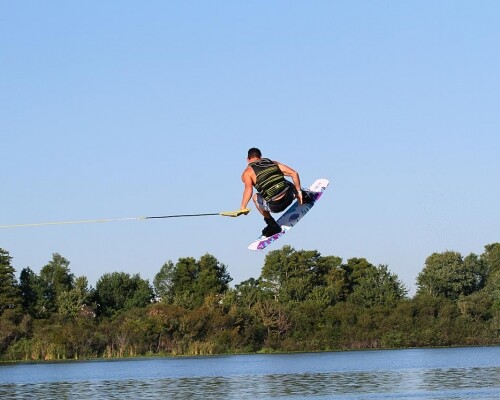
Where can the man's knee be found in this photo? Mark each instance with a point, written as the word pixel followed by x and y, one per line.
pixel 259 202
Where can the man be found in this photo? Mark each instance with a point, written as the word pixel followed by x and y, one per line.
pixel 274 192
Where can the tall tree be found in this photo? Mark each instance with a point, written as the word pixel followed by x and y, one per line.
pixel 56 278
pixel 77 300
pixel 9 292
pixel 163 283
pixel 212 278
pixel 447 274
pixel 32 293
pixel 477 270
pixel 193 280
pixel 184 278
pixel 356 269
pixel 292 275
pixel 119 291
pixel 334 286
pixel 10 302
pixel 378 287
pixel 249 292
pixel 491 257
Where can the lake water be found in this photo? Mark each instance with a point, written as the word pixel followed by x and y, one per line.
pixel 458 373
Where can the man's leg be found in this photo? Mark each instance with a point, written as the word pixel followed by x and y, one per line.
pixel 261 205
pixel 272 226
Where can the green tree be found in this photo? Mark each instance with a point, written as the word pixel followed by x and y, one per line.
pixel 334 286
pixel 183 280
pixel 119 291
pixel 10 302
pixel 491 257
pixel 193 280
pixel 493 289
pixel 55 278
pixel 291 275
pixel 77 300
pixel 356 269
pixel 477 270
pixel 165 321
pixel 213 277
pixel 476 305
pixel 32 292
pixel 378 287
pixel 447 274
pixel 163 283
pixel 306 319
pixel 9 292
pixel 249 292
pixel 275 318
pixel 132 334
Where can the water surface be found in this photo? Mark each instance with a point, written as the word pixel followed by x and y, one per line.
pixel 458 373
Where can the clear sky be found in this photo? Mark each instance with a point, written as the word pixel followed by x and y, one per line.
pixel 114 109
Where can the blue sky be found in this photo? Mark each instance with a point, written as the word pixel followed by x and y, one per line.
pixel 128 108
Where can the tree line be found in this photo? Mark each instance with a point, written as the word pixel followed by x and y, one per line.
pixel 302 301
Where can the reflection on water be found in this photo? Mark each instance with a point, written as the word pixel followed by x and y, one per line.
pixel 444 383
pixel 372 382
pixel 435 383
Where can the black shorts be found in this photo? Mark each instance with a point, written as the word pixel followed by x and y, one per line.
pixel 281 204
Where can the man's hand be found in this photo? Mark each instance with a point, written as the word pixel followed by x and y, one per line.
pixel 299 197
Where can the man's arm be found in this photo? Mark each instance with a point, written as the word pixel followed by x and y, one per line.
pixel 287 171
pixel 248 190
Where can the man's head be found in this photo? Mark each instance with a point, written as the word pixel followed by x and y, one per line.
pixel 254 152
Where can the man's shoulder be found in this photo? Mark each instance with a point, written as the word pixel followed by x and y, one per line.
pixel 248 171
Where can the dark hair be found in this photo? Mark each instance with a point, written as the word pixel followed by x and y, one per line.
pixel 254 152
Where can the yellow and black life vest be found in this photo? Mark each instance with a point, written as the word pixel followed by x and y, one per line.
pixel 270 180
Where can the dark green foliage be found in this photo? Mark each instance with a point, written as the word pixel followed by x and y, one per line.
pixel 491 257
pixel 302 301
pixel 55 278
pixel 189 281
pixel 10 303
pixel 250 292
pixel 76 300
pixel 10 298
pixel 448 274
pixel 40 293
pixel 376 286
pixel 163 283
pixel 30 291
pixel 118 291
pixel 296 276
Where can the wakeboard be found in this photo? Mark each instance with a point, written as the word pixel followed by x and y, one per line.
pixel 292 215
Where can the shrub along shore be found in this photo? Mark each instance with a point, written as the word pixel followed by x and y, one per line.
pixel 302 301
